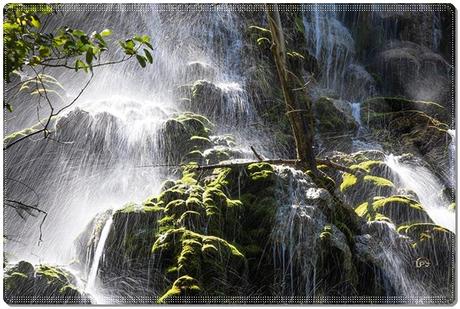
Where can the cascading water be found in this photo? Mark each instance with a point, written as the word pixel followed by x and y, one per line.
pixel 333 46
pixel 121 125
pixel 386 248
pixel 427 187
pixel 296 231
pixel 98 255
pixel 356 113
pixel 105 143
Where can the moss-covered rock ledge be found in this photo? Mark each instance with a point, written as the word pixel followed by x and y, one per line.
pixel 23 283
pixel 232 231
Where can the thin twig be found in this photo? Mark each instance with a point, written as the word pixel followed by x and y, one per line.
pixel 259 157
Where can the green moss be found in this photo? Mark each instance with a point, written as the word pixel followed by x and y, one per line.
pixel 378 181
pixel 419 228
pixel 194 156
pixel 332 119
pixel 52 273
pixel 195 123
pixel 183 286
pixel 210 259
pixel 367 166
pixel 348 181
pixel 396 209
pixel 217 154
pixel 200 142
pixel 130 207
pixel 23 280
pixel 174 193
pixel 429 238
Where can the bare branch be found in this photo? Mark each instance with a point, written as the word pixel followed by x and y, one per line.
pixel 259 157
pixel 28 208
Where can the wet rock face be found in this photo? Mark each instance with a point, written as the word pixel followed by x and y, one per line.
pixel 234 231
pixel 414 71
pixel 335 123
pixel 86 242
pixel 187 137
pixel 43 284
pixel 399 231
pixel 410 126
pixel 197 70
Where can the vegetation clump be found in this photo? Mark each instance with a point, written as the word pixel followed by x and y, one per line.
pixel 55 284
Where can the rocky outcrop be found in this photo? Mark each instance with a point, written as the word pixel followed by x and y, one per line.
pixel 244 230
pixel 24 283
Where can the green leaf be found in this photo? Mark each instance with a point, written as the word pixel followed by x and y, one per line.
pixel 130 44
pixel 35 60
pixel 128 47
pixel 101 40
pixel 44 51
pixel 141 60
pixel 80 65
pixel 149 45
pixel 148 55
pixel 78 33
pixel 89 56
pixel 59 40
pixel 106 32
pixel 145 38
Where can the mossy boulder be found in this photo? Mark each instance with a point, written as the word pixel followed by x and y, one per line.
pixel 207 99
pixel 127 247
pixel 218 268
pixel 434 252
pixel 331 118
pixel 360 187
pixel 397 209
pixel 185 136
pixel 182 287
pixel 23 283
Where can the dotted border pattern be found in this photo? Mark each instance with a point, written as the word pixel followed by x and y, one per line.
pixel 240 300
pixel 329 7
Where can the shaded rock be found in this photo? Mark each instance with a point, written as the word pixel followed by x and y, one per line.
pixel 24 284
pixel 198 70
pixel 335 123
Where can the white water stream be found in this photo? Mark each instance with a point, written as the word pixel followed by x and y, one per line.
pixel 427 187
pixel 98 255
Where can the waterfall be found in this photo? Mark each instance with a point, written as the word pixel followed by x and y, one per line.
pixel 104 148
pixel 299 222
pixel 385 247
pixel 356 113
pixel 362 140
pixel 333 46
pixel 115 127
pixel 428 188
pixel 98 256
